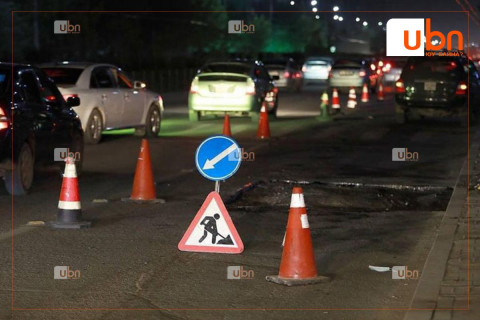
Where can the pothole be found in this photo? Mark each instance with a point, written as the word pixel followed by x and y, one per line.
pixel 345 197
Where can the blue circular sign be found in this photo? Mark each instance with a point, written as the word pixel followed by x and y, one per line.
pixel 218 158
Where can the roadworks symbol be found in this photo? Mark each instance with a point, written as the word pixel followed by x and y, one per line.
pixel 212 229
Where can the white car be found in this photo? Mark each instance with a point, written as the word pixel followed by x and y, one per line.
pixel 108 99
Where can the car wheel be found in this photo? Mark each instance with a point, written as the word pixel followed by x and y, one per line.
pixel 19 180
pixel 194 116
pixel 153 122
pixel 93 131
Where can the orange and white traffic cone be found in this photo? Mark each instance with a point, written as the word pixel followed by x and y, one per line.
pixel 297 266
pixel 335 99
pixel 365 96
pixel 380 92
pixel 352 99
pixel 263 126
pixel 143 189
pixel 226 126
pixel 69 214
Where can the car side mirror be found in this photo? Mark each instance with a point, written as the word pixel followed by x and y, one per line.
pixel 73 101
pixel 139 85
pixel 275 78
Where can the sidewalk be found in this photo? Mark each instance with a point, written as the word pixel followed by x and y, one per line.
pixel 445 290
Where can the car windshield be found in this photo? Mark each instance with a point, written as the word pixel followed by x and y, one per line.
pixel 430 65
pixel 64 75
pixel 226 67
pixel 4 81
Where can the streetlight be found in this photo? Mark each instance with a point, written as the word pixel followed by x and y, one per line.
pixel 380 23
pixel 317 17
pixel 365 23
pixel 357 19
pixel 335 17
pixel 336 8
pixel 314 3
pixel 314 9
pixel 340 18
pixel 292 3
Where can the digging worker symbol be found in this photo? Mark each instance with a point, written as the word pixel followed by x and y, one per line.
pixel 210 225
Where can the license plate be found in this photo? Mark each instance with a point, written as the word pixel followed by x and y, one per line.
pixel 345 73
pixel 430 86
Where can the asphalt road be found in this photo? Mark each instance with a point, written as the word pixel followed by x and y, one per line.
pixel 363 209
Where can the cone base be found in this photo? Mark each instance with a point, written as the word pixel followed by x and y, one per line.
pixel 156 200
pixel 297 282
pixel 71 225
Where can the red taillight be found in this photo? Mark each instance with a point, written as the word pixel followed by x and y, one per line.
pixel 286 74
pixel 362 74
pixel 399 86
pixel 4 123
pixel 297 75
pixel 50 98
pixel 461 88
pixel 250 90
pixel 194 88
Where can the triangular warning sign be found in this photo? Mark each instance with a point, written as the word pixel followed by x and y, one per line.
pixel 212 229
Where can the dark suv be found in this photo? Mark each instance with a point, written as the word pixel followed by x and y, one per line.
pixel 437 86
pixel 34 120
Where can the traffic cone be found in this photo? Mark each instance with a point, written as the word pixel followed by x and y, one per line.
pixel 365 96
pixel 380 92
pixel 69 215
pixel 226 126
pixel 263 126
pixel 324 106
pixel 143 189
pixel 352 99
pixel 297 266
pixel 335 99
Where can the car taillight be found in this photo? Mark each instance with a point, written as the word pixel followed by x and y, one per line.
pixel 250 90
pixel 286 74
pixel 461 88
pixel 4 122
pixel 362 73
pixel 194 86
pixel 399 86
pixel 70 95
pixel 297 75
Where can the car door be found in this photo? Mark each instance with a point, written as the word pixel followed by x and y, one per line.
pixel 109 97
pixel 133 100
pixel 62 131
pixel 43 117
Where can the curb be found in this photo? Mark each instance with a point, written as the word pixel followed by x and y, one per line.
pixel 428 289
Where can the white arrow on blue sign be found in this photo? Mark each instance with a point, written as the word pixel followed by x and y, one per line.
pixel 218 158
